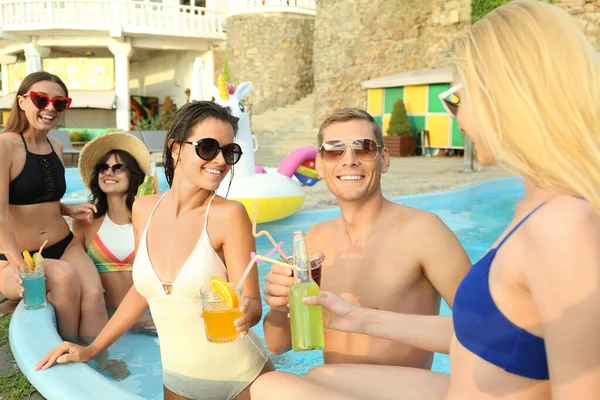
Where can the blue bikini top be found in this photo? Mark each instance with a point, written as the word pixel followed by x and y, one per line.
pixel 482 329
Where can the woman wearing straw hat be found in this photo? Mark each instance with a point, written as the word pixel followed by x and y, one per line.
pixel 112 167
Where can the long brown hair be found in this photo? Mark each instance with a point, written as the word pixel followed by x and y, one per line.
pixel 17 121
pixel 132 168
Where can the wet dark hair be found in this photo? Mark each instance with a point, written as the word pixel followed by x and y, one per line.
pixel 132 168
pixel 183 122
pixel 17 120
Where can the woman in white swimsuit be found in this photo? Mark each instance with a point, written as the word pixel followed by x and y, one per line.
pixel 184 237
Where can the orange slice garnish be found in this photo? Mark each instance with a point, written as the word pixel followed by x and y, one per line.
pixel 29 260
pixel 222 288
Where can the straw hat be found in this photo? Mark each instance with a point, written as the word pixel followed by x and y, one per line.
pixel 97 148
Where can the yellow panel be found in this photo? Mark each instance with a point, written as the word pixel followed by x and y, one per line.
pixel 386 123
pixel 415 99
pixel 375 101
pixel 439 130
pixel 84 73
pixel 16 73
pixel 5 114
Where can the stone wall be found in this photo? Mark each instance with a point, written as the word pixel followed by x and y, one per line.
pixel 587 13
pixel 274 50
pixel 219 54
pixel 356 40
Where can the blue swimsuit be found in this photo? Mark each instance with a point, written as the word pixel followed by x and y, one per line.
pixel 482 329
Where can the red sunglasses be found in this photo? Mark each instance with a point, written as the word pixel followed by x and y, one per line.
pixel 41 101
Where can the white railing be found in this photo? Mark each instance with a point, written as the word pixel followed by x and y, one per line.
pixel 129 16
pixel 258 6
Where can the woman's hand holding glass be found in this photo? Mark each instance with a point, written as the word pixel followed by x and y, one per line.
pixel 244 323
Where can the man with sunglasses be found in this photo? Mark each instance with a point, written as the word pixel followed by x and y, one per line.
pixel 378 254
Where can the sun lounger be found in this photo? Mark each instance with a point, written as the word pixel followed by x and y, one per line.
pixel 155 140
pixel 63 138
pixel 138 134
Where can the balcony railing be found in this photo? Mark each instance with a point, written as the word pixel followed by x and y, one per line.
pixel 257 6
pixel 128 16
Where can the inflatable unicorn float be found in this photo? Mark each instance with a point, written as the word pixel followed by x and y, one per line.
pixel 277 194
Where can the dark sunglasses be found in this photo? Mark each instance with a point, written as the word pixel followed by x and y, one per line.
pixel 41 101
pixel 364 149
pixel 208 149
pixel 116 168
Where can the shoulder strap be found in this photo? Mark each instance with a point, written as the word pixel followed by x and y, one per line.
pixel 208 210
pixel 24 142
pixel 519 224
pixel 50 143
pixel 153 210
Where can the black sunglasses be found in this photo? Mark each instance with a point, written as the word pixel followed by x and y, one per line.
pixel 116 168
pixel 364 149
pixel 208 149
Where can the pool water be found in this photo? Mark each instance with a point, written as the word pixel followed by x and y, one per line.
pixel 477 216
pixel 78 193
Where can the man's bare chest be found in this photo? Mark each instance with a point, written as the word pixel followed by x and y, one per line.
pixel 370 279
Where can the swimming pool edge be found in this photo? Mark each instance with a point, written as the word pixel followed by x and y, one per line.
pixel 32 334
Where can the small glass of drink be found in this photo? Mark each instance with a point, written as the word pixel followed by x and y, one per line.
pixel 219 317
pixel 34 283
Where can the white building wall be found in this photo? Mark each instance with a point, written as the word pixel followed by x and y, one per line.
pixel 165 73
pixel 89 118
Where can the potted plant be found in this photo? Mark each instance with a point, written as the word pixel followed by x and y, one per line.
pixel 400 140
pixel 79 138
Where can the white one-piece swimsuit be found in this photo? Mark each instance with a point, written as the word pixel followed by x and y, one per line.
pixel 193 367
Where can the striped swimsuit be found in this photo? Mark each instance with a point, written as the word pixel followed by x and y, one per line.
pixel 113 247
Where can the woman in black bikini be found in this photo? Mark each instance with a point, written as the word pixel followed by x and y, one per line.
pixel 32 182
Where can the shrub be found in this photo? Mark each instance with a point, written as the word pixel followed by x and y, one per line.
pixel 399 123
pixel 481 8
pixel 79 136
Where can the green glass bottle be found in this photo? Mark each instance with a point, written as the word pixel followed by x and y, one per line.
pixel 147 187
pixel 306 321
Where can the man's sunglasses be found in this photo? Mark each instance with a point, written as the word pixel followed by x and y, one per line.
pixel 364 149
pixel 116 168
pixel 208 149
pixel 41 101
pixel 450 100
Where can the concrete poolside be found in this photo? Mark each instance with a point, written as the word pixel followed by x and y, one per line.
pixel 413 175
pixel 406 176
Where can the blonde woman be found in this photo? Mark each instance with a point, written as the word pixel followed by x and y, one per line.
pixel 526 318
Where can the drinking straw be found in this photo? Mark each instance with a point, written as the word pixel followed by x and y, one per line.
pixel 251 264
pixel 39 254
pixel 42 247
pixel 269 254
pixel 265 233
pixel 17 262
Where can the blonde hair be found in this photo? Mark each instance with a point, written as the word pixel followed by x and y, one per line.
pixel 531 87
